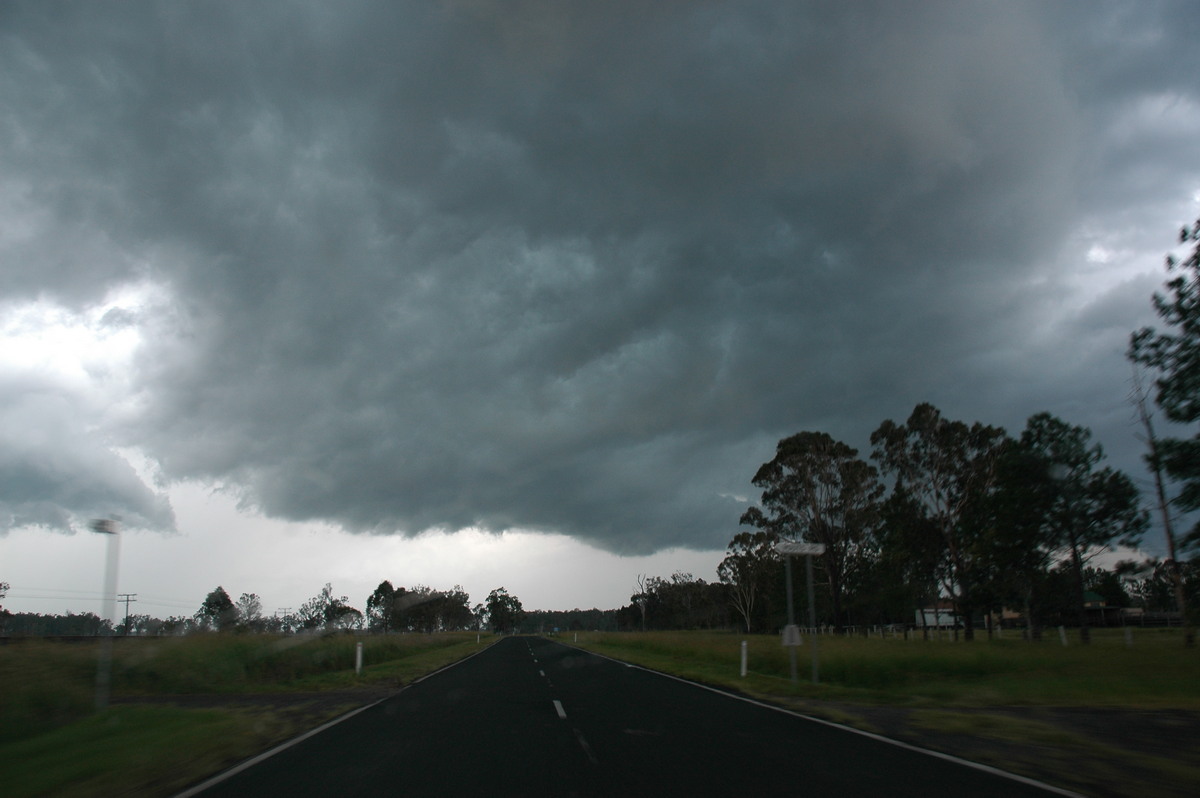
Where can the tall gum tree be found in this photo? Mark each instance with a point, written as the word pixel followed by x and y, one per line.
pixel 1175 357
pixel 817 489
pixel 946 468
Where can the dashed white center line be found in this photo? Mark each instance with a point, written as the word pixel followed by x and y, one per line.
pixel 558 707
pixel 542 673
pixel 587 749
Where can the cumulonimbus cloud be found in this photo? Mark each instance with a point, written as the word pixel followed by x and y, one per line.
pixel 567 267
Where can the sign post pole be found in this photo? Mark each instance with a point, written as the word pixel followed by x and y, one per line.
pixel 791 637
pixel 791 618
pixel 812 622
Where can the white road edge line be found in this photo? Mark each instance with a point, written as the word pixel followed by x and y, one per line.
pixel 265 755
pixel 898 743
pixel 562 713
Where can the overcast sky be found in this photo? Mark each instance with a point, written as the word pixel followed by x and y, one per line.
pixel 285 286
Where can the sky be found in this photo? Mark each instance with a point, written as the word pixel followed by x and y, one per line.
pixel 521 294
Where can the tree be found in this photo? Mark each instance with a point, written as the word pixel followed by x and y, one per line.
pixel 249 612
pixel 749 568
pixel 217 611
pixel 1176 357
pixel 1090 507
pixel 946 468
pixel 504 611
pixel 4 614
pixel 1153 583
pixel 382 608
pixel 817 489
pixel 1154 462
pixel 910 551
pixel 642 597
pixel 324 611
pixel 1023 545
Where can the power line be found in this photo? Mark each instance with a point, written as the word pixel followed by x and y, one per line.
pixel 127 598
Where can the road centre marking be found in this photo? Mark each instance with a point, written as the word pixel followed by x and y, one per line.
pixel 562 713
pixel 587 749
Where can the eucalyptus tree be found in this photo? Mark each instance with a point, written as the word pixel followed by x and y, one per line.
pixel 325 611
pixel 249 612
pixel 910 550
pixel 505 612
pixel 750 568
pixel 1091 507
pixel 818 490
pixel 383 608
pixel 947 469
pixel 217 611
pixel 1175 356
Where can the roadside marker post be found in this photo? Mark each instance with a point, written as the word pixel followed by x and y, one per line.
pixel 358 659
pixel 792 638
pixel 743 659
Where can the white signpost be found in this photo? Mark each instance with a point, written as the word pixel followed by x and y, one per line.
pixel 791 634
pixel 788 547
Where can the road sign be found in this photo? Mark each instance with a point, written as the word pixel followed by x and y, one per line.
pixel 791 636
pixel 788 547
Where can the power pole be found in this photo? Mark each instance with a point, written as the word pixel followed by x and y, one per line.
pixel 128 598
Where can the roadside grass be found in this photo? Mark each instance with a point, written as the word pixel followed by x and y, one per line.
pixel 1156 671
pixel 129 750
pixel 52 742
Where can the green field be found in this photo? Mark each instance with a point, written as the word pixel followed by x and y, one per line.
pixel 185 707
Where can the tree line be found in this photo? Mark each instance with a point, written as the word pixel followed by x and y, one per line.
pixel 388 609
pixel 945 509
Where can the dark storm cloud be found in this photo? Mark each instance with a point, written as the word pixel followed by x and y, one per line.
pixel 569 267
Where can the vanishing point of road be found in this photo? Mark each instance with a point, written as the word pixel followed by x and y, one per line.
pixel 531 717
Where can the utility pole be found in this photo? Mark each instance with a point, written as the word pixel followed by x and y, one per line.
pixel 127 598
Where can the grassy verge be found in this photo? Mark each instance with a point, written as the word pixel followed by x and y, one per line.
pixel 52 742
pixel 1109 719
pixel 1156 671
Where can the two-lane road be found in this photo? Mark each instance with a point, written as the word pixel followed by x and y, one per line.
pixel 531 717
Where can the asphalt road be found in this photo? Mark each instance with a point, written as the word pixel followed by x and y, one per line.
pixel 530 717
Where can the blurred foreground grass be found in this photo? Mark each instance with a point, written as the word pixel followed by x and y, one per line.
pixel 52 742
